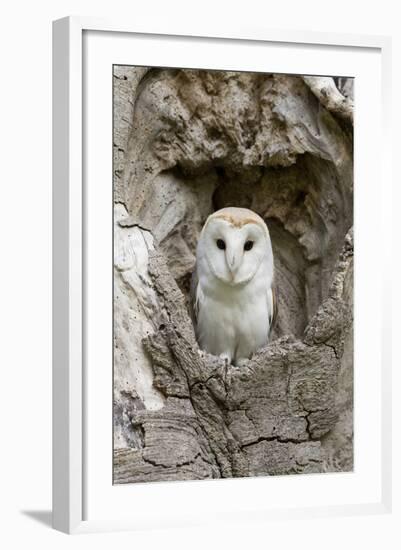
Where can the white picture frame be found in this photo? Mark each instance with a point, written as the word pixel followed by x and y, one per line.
pixel 70 259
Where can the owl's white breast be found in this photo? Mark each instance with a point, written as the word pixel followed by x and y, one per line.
pixel 233 320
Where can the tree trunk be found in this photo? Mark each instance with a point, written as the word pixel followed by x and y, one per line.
pixel 186 143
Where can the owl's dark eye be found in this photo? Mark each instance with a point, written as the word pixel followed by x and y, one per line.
pixel 221 244
pixel 248 245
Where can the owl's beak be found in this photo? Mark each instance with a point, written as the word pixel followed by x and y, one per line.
pixel 233 264
pixel 234 255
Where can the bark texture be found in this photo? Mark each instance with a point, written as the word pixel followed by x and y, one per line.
pixel 188 142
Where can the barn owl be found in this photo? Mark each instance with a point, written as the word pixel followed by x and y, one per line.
pixel 232 294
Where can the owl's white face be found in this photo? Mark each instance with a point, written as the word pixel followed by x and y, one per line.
pixel 234 249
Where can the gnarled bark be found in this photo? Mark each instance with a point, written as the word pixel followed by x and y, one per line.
pixel 187 143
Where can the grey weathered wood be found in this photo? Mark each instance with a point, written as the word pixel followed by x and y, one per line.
pixel 192 141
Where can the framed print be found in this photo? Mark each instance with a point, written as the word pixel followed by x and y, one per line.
pixel 219 324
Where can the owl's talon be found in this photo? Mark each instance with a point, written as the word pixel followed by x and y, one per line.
pixel 226 358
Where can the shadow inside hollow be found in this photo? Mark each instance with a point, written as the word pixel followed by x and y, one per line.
pixel 42 516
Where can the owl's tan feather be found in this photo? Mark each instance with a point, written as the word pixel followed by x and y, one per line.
pixel 274 308
pixel 237 217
